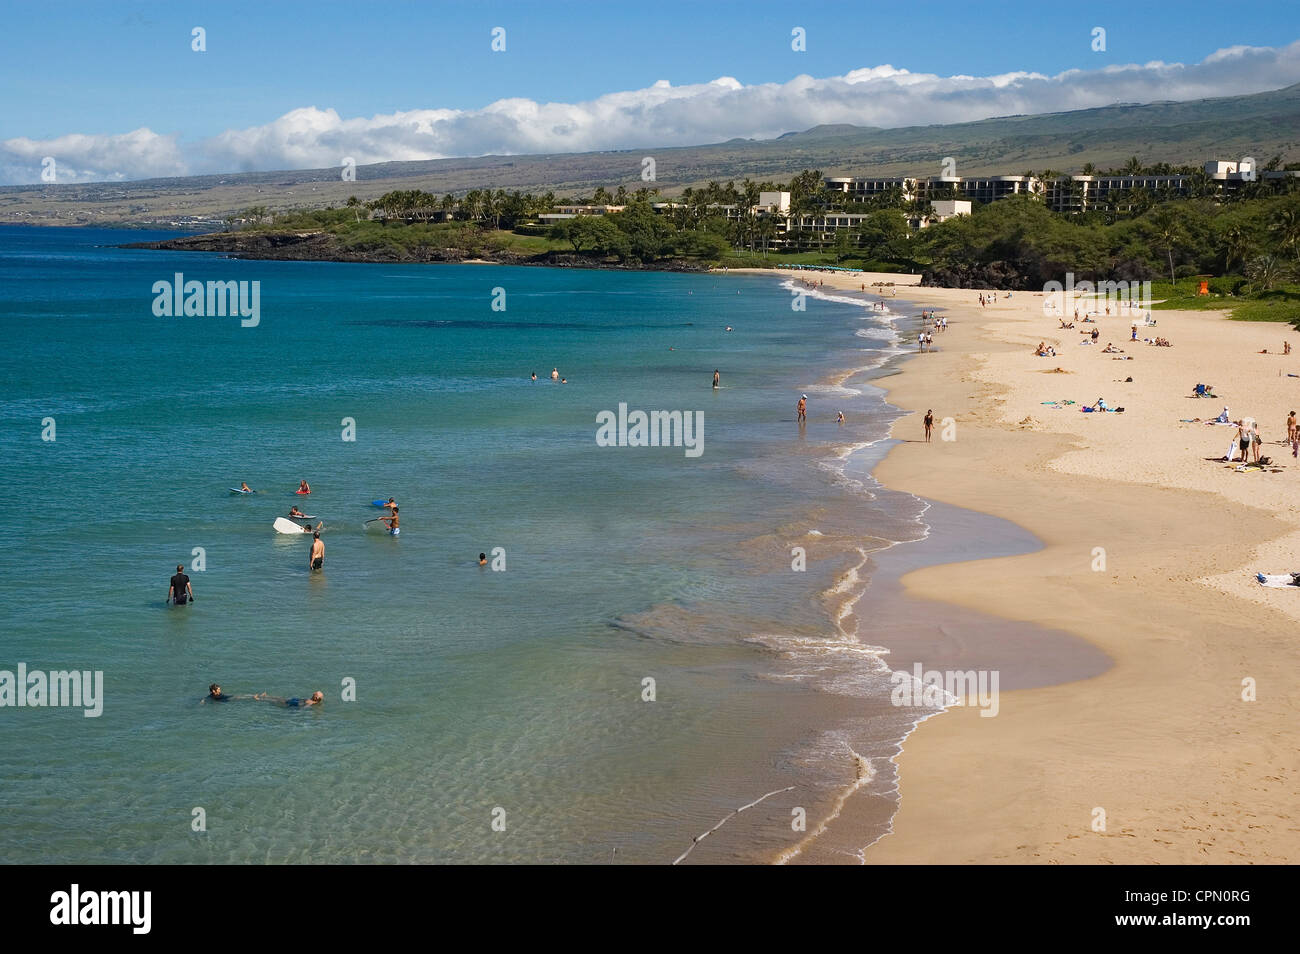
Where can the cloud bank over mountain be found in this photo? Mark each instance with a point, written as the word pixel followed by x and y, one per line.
pixel 659 115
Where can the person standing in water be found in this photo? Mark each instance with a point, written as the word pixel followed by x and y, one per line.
pixel 555 374
pixel 392 522
pixel 317 559
pixel 802 408
pixel 180 592
pixel 717 379
pixel 929 424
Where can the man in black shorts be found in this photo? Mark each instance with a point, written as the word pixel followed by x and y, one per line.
pixel 180 592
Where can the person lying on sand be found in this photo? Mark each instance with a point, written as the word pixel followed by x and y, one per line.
pixel 1111 349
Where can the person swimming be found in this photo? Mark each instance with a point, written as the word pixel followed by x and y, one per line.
pixel 295 512
pixel 216 695
pixel 482 559
pixel 315 699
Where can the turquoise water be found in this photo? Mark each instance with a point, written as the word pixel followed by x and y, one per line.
pixel 476 690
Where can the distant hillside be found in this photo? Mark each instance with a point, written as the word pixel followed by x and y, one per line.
pixel 1260 125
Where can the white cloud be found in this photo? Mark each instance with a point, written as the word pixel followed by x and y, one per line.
pixel 660 115
pixel 139 154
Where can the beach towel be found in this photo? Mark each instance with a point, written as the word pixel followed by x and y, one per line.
pixel 1278 579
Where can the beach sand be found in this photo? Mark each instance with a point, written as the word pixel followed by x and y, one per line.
pixel 1162 743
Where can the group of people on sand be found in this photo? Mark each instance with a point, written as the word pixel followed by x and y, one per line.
pixel 1247 441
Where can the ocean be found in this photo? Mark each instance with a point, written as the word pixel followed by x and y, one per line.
pixel 658 639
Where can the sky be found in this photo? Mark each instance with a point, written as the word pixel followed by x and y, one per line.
pixel 115 90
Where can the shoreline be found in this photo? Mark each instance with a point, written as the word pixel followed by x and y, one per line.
pixel 1162 746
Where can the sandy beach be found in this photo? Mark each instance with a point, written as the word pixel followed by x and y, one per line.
pixel 1151 547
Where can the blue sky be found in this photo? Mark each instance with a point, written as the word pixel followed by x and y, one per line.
pixel 104 69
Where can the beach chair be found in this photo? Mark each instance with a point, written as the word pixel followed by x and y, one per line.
pixel 1204 391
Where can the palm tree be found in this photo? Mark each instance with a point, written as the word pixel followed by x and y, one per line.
pixel 1235 244
pixel 1286 226
pixel 1264 271
pixel 1168 232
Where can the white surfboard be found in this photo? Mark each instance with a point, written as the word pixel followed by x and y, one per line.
pixel 285 525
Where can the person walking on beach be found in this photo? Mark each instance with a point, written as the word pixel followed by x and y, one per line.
pixel 929 424
pixel 802 409
pixel 317 559
pixel 1293 434
pixel 180 592
pixel 717 379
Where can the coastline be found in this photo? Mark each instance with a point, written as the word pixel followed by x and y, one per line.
pixel 1162 743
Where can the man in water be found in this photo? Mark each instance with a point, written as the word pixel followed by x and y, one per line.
pixel 216 695
pixel 316 699
pixel 391 505
pixel 555 374
pixel 180 592
pixel 295 512
pixel 802 408
pixel 717 379
pixel 534 375
pixel 482 559
pixel 317 558
pixel 392 522
pixel 245 488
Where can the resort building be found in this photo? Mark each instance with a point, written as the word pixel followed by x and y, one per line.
pixel 563 212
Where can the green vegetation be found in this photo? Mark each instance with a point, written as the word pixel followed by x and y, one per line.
pixel 1247 245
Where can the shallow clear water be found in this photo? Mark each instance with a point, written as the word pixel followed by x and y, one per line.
pixel 475 690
